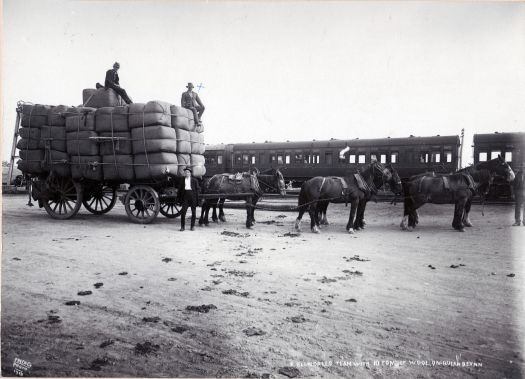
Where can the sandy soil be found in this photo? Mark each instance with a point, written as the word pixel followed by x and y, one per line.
pixel 330 305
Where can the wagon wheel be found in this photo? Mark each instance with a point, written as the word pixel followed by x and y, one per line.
pixel 142 204
pixel 101 199
pixel 170 209
pixel 65 198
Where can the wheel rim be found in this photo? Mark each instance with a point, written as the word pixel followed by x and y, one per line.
pixel 142 204
pixel 169 210
pixel 102 200
pixel 65 198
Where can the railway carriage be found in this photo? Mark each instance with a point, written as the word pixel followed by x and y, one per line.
pixel 300 161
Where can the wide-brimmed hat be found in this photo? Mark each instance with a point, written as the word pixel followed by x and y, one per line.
pixel 116 64
pixel 190 85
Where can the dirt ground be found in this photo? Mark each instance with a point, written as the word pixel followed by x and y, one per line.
pixel 432 303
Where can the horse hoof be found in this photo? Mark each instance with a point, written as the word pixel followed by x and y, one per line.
pixel 223 219
pixel 460 230
pixel 467 224
pixel 351 231
pixel 315 230
pixel 410 228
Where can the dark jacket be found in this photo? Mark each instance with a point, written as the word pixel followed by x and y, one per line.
pixel 190 100
pixel 195 189
pixel 112 78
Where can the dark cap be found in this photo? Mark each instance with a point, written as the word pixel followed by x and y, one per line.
pixel 190 85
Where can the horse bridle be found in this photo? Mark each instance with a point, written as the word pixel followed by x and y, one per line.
pixel 269 185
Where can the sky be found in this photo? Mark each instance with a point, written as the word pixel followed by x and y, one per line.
pixel 280 71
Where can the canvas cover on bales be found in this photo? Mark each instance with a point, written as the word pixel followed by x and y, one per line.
pixel 151 113
pixel 152 166
pixel 183 141
pixel 118 143
pixel 34 116
pixel 154 139
pixel 56 162
pixel 118 168
pixel 55 136
pixel 197 165
pixel 182 118
pixel 114 119
pixel 102 97
pixel 82 119
pixel 81 143
pixel 57 115
pixel 197 143
pixel 184 161
pixel 86 167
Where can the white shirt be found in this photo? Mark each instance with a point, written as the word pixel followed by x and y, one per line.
pixel 187 183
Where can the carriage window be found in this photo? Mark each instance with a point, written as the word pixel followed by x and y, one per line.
pixel 328 158
pixel 351 159
pixel 279 159
pixel 307 158
pixel 508 156
pixel 494 154
pixel 287 159
pixel 237 159
pixel 245 159
pixel 272 158
pixel 383 158
pixel 448 156
pixel 373 157
pixel 482 157
pixel 436 157
pixel 211 160
pixel 219 159
pixel 361 158
pixel 316 159
pixel 423 158
pixel 298 157
pixel 253 159
pixel 393 158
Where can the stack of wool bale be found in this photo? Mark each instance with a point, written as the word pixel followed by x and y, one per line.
pixel 120 144
pixel 100 98
pixel 82 144
pixel 115 143
pixel 154 140
pixel 190 141
pixel 33 117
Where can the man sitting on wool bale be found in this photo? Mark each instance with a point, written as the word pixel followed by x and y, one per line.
pixel 190 100
pixel 112 81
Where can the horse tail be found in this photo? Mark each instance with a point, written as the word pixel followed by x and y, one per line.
pixel 303 199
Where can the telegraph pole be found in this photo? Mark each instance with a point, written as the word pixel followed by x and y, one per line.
pixel 461 142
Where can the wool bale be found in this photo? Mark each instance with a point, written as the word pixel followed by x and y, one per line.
pixel 182 118
pixel 184 161
pixel 152 166
pixel 152 139
pixel 28 167
pixel 57 162
pixel 86 167
pixel 34 116
pixel 55 136
pixel 118 168
pixel 82 119
pixel 29 133
pixel 114 119
pixel 79 143
pixel 197 165
pixel 183 141
pixel 57 115
pixel 33 155
pixel 151 113
pixel 197 143
pixel 102 97
pixel 28 144
pixel 120 145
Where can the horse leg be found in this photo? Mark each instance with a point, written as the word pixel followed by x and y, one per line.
pixel 459 208
pixel 299 218
pixel 360 214
pixel 254 204
pixel 324 209
pixel 351 217
pixel 214 213
pixel 313 218
pixel 248 212
pixel 203 210
pixel 222 217
pixel 466 220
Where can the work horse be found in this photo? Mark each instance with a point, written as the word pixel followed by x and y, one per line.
pixel 357 189
pixel 248 186
pixel 457 188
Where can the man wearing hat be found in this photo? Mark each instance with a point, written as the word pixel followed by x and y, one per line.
pixel 518 193
pixel 112 81
pixel 188 194
pixel 191 100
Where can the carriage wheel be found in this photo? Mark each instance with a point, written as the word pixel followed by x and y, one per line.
pixel 170 209
pixel 142 204
pixel 65 198
pixel 101 200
